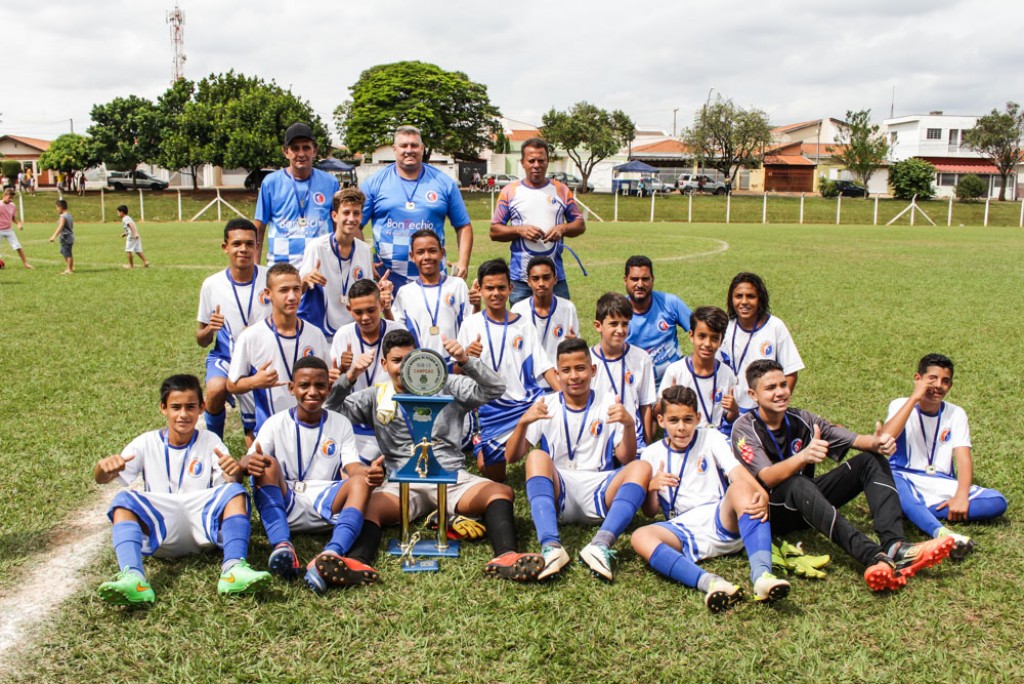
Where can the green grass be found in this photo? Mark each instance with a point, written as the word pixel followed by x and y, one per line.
pixel 83 357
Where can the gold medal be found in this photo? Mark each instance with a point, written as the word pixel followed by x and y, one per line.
pixel 434 330
pixel 302 222
pixel 410 205
pixel 299 487
pixel 930 470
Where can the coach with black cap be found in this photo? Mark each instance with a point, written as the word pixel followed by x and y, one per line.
pixel 294 204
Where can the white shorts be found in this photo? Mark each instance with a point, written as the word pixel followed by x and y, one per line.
pixel 581 495
pixel 179 524
pixel 133 244
pixel 933 489
pixel 367 447
pixel 423 498
pixel 11 238
pixel 308 504
pixel 701 533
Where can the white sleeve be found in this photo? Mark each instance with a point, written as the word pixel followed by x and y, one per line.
pixel 240 361
pixel 670 378
pixel 309 258
pixel 647 392
pixel 542 362
pixel 205 308
pixel 216 474
pixel 720 450
pixel 574 320
pixel 349 453
pixel 894 406
pixel 398 308
pixel 136 448
pixel 464 332
pixel 267 438
pixel 787 354
pixel 961 429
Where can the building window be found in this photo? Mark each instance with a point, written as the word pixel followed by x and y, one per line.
pixel 893 136
pixel 934 134
pixel 947 179
pixel 954 140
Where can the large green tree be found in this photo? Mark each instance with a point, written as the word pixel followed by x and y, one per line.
pixel 588 134
pixel 69 152
pixel 912 177
pixel 454 114
pixel 998 136
pixel 125 132
pixel 727 137
pixel 860 147
pixel 187 132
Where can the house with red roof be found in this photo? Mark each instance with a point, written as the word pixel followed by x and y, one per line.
pixel 26 150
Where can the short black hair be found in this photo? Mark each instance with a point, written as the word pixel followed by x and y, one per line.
pixel 62 203
pixel 239 224
pixel 758 369
pixel 571 346
pixel 639 261
pixel 424 233
pixel 678 395
pixel 396 338
pixel 537 144
pixel 939 360
pixel 123 208
pixel 613 303
pixel 763 306
pixel 180 383
pixel 309 362
pixel 711 316
pixel 281 268
pixel 492 268
pixel 541 261
pixel 363 288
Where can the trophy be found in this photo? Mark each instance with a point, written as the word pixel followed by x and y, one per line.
pixel 423 374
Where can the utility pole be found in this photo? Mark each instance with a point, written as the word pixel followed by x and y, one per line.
pixel 176 18
pixel 674 112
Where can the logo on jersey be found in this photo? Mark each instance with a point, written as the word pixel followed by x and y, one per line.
pixel 630 378
pixel 702 465
pixel 357 273
pixel 319 198
pixel 746 451
pixel 558 331
pixel 663 326
pixel 307 351
pixel 796 445
pixel 195 467
pixel 718 397
pixel 945 435
pixel 552 200
pixel 596 428
pixel 767 348
pixel 265 297
pixel 328 448
pixel 451 299
pixel 431 196
pixel 517 342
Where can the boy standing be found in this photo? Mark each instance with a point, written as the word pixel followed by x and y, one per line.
pixel 133 242
pixel 66 231
pixel 554 317
pixel 655 315
pixel 193 500
pixel 8 216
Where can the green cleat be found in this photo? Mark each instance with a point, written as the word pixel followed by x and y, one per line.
pixel 722 595
pixel 240 579
pixel 129 588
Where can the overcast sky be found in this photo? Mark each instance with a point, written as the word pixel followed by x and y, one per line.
pixel 796 59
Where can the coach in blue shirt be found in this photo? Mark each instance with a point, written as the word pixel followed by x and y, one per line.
pixel 655 316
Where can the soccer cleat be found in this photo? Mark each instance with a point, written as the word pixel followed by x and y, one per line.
pixel 314 580
pixel 882 575
pixel 722 596
pixel 913 557
pixel 284 562
pixel 555 558
pixel 240 579
pixel 962 547
pixel 459 527
pixel 599 559
pixel 343 572
pixel 769 588
pixel 521 567
pixel 129 588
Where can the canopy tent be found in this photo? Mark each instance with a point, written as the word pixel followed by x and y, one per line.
pixel 332 164
pixel 635 166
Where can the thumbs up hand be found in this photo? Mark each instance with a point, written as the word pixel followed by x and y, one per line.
pixel 266 377
pixel 817 450
pixel 617 413
pixel 314 277
pixel 474 295
pixel 257 462
pixel 662 479
pixel 216 319
pixel 884 442
pixel 538 411
pixel 333 373
pixel 476 347
pixel 346 358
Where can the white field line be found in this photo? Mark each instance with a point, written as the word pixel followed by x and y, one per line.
pixel 720 246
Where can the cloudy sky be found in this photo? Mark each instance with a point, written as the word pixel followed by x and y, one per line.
pixel 795 59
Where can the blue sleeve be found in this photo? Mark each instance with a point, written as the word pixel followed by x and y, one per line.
pixel 263 213
pixel 457 213
pixel 313 307
pixel 369 189
pixel 682 312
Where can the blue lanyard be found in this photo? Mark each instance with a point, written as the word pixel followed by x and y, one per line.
pixel 184 461
pixel 736 365
pixel 569 446
pixel 371 372
pixel 302 202
pixel 298 443
pixel 700 395
pixel 490 344
pixel 682 466
pixel 621 389
pixel 771 435
pixel 437 309
pixel 277 336
pixel 341 265
pixel 252 291
pixel 410 195
pixel 550 317
pixel 935 435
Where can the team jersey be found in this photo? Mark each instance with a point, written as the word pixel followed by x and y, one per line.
pixel 308 452
pixel 581 439
pixel 420 309
pixel 654 331
pixel 513 351
pixel 349 336
pixel 758 447
pixel 701 469
pixel 399 207
pixel 561 322
pixel 260 343
pixel 709 388
pixel 324 305
pixel 628 376
pixel 170 469
pixel 928 441
pixel 770 340
pixel 544 207
pixel 294 212
pixel 241 305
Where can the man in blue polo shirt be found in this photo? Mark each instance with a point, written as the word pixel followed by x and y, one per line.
pixel 408 196
pixel 294 204
pixel 655 316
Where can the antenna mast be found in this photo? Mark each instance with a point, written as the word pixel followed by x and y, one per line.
pixel 176 18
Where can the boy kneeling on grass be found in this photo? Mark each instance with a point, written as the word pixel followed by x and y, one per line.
pixel 192 501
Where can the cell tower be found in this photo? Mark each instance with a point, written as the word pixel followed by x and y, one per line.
pixel 176 18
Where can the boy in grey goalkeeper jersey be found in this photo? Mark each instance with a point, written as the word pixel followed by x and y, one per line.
pixel 471 496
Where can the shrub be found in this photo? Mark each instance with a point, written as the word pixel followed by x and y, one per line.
pixel 970 187
pixel 828 188
pixel 912 177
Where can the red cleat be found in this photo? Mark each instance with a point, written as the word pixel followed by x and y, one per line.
pixel 520 567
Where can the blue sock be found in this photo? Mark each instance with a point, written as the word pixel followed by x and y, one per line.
pixel 215 422
pixel 235 531
pixel 624 506
pixel 348 527
pixel 675 566
pixel 127 539
pixel 270 504
pixel 541 493
pixel 757 540
pixel 914 508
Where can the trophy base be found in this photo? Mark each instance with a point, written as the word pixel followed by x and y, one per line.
pixel 426 547
pixel 420 566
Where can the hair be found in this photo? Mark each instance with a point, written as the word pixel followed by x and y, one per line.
pixel 711 316
pixel 639 261
pixel 62 203
pixel 8 191
pixel 541 261
pixel 281 268
pixel 571 346
pixel 424 233
pixel 537 144
pixel 363 288
pixel 309 362
pixel 678 395
pixel 758 369
pixel 123 208
pixel 939 360
pixel 492 268
pixel 396 338
pixel 763 306
pixel 613 303
pixel 349 195
pixel 180 383
pixel 408 130
pixel 239 224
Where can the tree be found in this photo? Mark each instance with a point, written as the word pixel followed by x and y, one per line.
pixel 125 132
pixel 912 177
pixel 454 114
pixel 728 138
pixel 187 131
pixel 68 153
pixel 860 147
pixel 588 134
pixel 998 135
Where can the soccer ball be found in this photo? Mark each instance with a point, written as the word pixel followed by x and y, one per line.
pixel 3 264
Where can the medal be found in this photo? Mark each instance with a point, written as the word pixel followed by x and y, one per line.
pixel 930 470
pixel 344 300
pixel 298 487
pixel 410 205
pixel 434 330
pixel 302 222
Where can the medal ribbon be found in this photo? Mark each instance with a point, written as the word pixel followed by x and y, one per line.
pixel 278 336
pixel 736 365
pixel 252 291
pixel 490 343
pixel 700 395
pixel 184 461
pixel 935 435
pixel 569 446
pixel 298 443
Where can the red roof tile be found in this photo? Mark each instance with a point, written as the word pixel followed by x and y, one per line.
pixel 787 160
pixel 663 147
pixel 39 144
pixel 523 134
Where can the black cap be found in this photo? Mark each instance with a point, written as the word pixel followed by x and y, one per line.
pixel 298 130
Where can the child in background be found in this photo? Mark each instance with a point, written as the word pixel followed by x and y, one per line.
pixel 66 232
pixel 133 241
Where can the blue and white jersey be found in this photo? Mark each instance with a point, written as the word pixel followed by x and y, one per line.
pixel 560 323
pixel 655 330
pixel 430 311
pixel 545 207
pixel 170 469
pixel 349 336
pixel 514 352
pixel 241 305
pixel 399 207
pixel 324 305
pixel 294 212
pixel 308 452
pixel 582 439
pixel 629 377
pixel 928 441
pixel 770 340
pixel 709 388
pixel 702 469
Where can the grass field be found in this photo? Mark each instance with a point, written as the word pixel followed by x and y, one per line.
pixel 83 357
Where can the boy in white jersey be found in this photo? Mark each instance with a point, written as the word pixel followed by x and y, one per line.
pixel 703 519
pixel 624 370
pixel 508 345
pixel 933 467
pixel 432 305
pixel 712 380
pixel 554 317
pixel 230 301
pixel 133 241
pixel 308 477
pixel 266 352
pixel 332 262
pixel 583 466
pixel 192 500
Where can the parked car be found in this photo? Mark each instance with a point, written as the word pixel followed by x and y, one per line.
pixel 254 179
pixel 691 182
pixel 501 179
pixel 658 185
pixel 574 182
pixel 848 188
pixel 124 180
